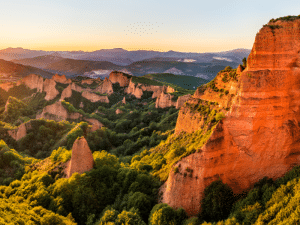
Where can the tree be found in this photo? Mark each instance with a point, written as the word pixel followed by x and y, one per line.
pixel 163 214
pixel 245 62
pixel 217 202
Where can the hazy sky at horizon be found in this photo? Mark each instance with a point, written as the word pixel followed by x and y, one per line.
pixel 88 25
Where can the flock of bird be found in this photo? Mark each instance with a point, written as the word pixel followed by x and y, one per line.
pixel 142 28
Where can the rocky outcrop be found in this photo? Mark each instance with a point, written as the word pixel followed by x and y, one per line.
pixel 260 135
pixel 77 88
pixel 57 112
pixel 105 87
pixel 20 132
pixel 165 100
pixel 49 88
pixel 6 86
pixel 95 124
pixel 87 81
pixel 170 89
pixel 124 100
pixel 67 92
pixel 181 100
pixel 137 89
pixel 119 111
pixel 6 105
pixel 118 77
pixel 33 81
pixel 239 69
pixel 61 79
pixel 94 97
pixel 81 159
pixel 133 89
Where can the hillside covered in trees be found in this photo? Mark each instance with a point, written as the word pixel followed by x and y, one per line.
pixel 136 141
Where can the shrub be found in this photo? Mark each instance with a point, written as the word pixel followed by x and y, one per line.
pixel 220 116
pixel 176 170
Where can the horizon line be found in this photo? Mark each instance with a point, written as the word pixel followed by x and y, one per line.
pixel 120 49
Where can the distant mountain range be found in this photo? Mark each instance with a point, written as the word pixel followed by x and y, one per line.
pixel 123 57
pixel 102 62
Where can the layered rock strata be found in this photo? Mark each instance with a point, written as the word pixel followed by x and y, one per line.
pixel 260 135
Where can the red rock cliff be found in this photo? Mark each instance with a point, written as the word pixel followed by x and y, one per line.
pixel 261 132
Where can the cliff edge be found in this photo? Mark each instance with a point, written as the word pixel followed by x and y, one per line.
pixel 260 135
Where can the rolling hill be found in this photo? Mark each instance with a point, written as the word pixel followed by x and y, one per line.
pixel 11 71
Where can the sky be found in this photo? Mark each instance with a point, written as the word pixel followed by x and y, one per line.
pixel 160 25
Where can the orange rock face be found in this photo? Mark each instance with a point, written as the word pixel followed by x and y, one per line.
pixel 138 89
pixel 119 77
pixel 124 100
pixel 6 86
pixel 95 124
pixel 134 90
pixel 239 70
pixel 94 97
pixel 57 112
pixel 181 100
pixel 87 81
pixel 82 158
pixel 33 81
pixel 260 135
pixel 105 87
pixel 66 93
pixel 20 132
pixel 164 100
pixel 49 88
pixel 61 79
pixel 118 111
